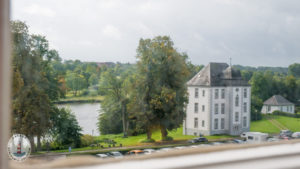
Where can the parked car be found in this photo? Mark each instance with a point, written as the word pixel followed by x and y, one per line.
pixel 296 135
pixel 237 141
pixel 198 140
pixel 135 152
pixel 149 151
pixel 102 155
pixel 285 133
pixel 272 139
pixel 216 143
pixel 115 154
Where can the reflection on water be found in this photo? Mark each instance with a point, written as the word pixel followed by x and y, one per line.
pixel 87 116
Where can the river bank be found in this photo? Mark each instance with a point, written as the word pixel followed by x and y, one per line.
pixel 80 99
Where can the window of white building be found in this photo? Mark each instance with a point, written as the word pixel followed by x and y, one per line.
pixel 245 93
pixel 223 108
pixel 203 123
pixel 222 123
pixel 236 117
pixel 223 93
pixel 216 108
pixel 196 108
pixel 237 100
pixel 245 107
pixel 216 124
pixel 216 93
pixel 203 93
pixel 203 108
pixel 196 92
pixel 196 123
pixel 244 121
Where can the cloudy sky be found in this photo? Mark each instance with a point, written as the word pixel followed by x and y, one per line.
pixel 251 32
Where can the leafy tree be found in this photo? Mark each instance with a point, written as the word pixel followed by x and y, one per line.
pixel 294 70
pixel 65 130
pixel 256 106
pixel 164 72
pixel 115 97
pixel 75 82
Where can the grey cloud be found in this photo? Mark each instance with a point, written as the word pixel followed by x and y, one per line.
pixel 251 32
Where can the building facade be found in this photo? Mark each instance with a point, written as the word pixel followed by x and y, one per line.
pixel 219 102
pixel 277 102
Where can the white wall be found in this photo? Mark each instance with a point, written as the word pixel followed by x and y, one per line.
pixel 291 109
pixel 201 100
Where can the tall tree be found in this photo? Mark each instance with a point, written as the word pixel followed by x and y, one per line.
pixel 116 93
pixel 165 74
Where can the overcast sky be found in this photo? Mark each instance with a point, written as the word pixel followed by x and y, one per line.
pixel 251 32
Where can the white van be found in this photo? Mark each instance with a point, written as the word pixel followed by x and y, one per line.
pixel 254 137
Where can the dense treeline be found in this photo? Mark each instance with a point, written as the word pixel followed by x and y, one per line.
pixel 36 84
pixel 268 81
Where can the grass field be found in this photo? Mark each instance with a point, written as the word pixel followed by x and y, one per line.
pixel 291 123
pixel 136 140
pixel 265 126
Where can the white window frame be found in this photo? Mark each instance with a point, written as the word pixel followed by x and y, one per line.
pixel 216 108
pixel 236 117
pixel 222 93
pixel 222 108
pixel 222 123
pixel 196 123
pixel 196 107
pixel 245 109
pixel 216 124
pixel 216 93
pixel 196 92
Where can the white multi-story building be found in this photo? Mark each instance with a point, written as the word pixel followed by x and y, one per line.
pixel 219 102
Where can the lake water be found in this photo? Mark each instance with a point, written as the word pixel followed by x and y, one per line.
pixel 86 115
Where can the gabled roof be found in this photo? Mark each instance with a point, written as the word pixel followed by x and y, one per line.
pixel 218 74
pixel 277 100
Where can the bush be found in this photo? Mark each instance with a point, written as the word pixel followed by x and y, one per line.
pixel 84 92
pixel 86 140
pixel 277 112
pixel 168 138
pixel 148 141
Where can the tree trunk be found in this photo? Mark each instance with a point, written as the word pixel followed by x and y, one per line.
pixel 31 140
pixel 149 134
pixel 164 132
pixel 124 120
pixel 38 143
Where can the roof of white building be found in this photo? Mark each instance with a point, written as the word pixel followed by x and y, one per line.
pixel 277 100
pixel 218 74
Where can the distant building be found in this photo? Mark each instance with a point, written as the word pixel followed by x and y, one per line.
pixel 219 102
pixel 108 64
pixel 277 102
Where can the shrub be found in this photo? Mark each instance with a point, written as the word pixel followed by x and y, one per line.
pixel 277 112
pixel 86 140
pixel 168 138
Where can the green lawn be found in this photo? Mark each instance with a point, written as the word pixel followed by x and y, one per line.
pixel 263 126
pixel 136 140
pixel 291 123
